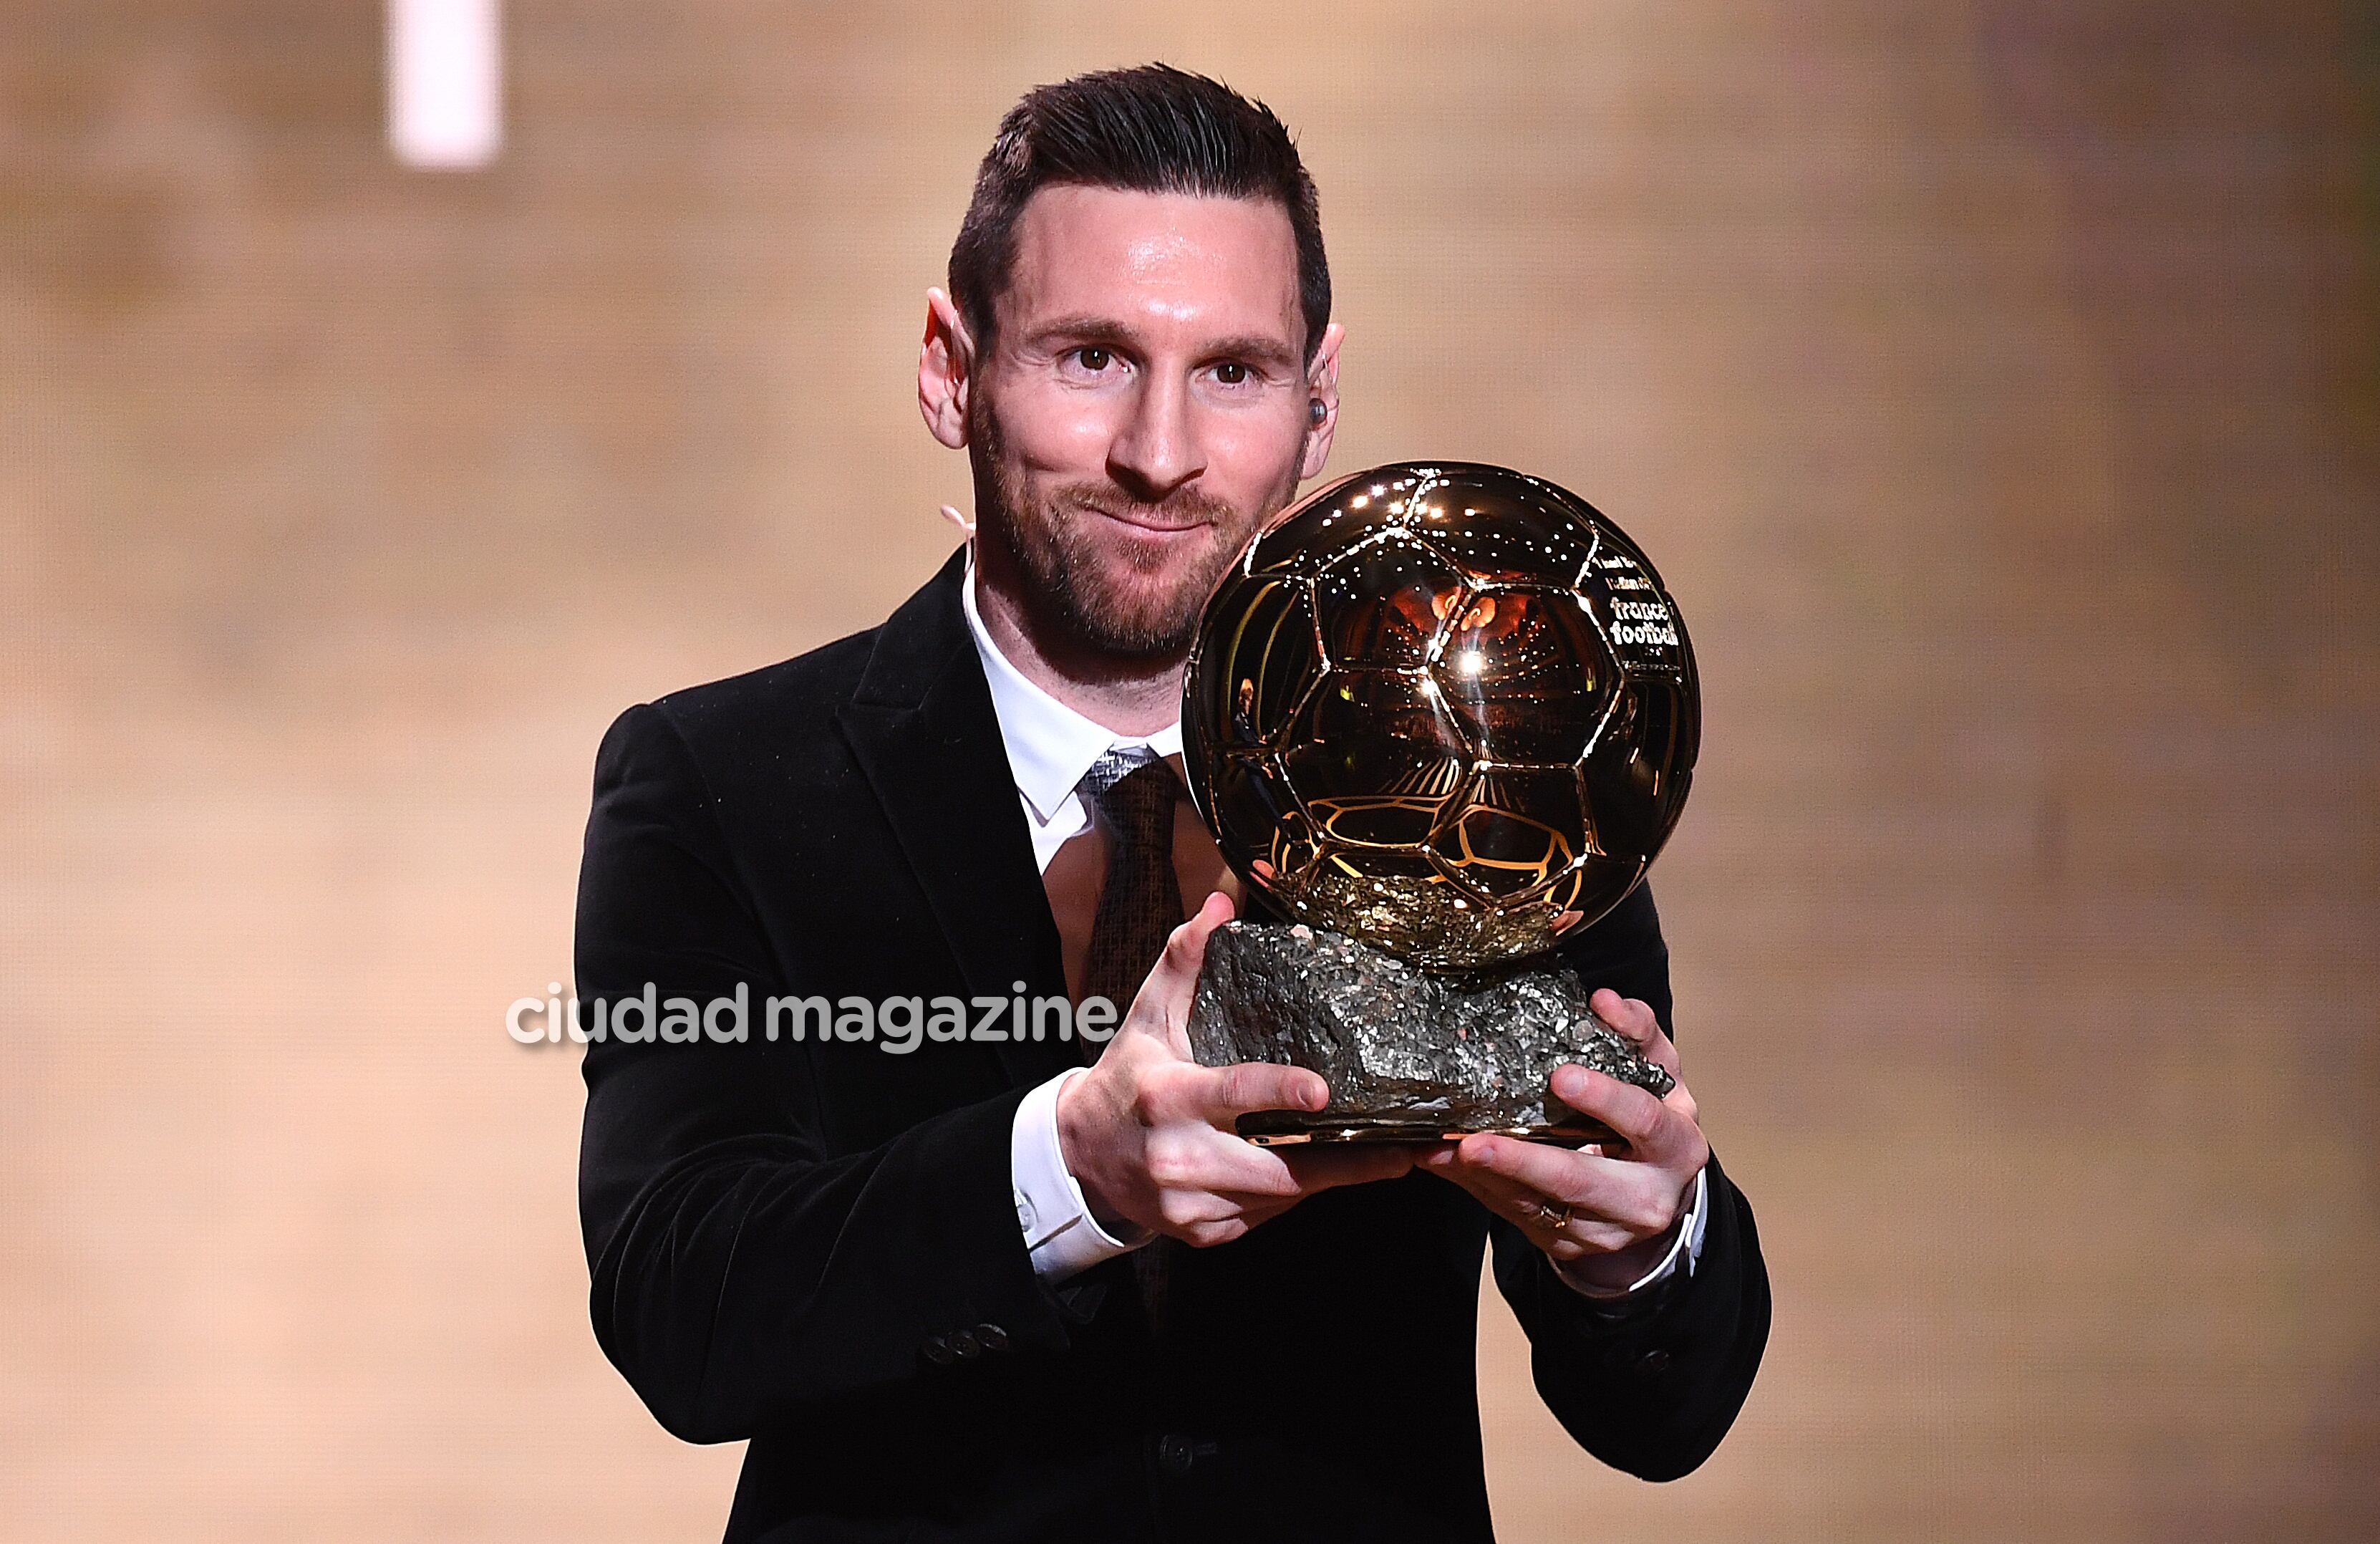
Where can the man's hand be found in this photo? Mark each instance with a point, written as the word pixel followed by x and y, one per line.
pixel 1148 1133
pixel 1624 1203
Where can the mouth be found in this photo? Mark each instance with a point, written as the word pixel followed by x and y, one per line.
pixel 1154 522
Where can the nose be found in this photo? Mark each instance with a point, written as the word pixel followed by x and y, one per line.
pixel 1158 450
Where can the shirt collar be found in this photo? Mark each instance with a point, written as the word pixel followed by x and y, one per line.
pixel 1050 745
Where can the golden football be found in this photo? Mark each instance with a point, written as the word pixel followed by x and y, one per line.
pixel 1445 708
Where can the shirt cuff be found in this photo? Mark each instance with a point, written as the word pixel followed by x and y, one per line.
pixel 1685 1250
pixel 1059 1235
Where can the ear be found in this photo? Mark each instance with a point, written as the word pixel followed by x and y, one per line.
pixel 945 372
pixel 1322 385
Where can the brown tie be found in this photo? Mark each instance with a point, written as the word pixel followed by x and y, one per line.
pixel 1140 905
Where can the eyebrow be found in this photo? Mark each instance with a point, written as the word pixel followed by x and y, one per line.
pixel 1108 334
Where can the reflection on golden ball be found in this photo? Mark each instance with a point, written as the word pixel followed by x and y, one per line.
pixel 1444 708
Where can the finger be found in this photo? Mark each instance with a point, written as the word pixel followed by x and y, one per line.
pixel 1231 1092
pixel 1570 1083
pixel 1614 1203
pixel 1162 1005
pixel 1330 1165
pixel 1493 1189
pixel 1235 1179
pixel 1535 1166
pixel 1319 1169
pixel 1497 1192
pixel 1642 1199
pixel 1217 1162
pixel 1523 1206
pixel 1656 1132
pixel 1224 1201
pixel 1617 1207
pixel 1635 1020
pixel 1631 1016
pixel 1242 1215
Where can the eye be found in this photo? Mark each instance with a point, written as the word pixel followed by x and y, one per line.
pixel 1231 372
pixel 1094 359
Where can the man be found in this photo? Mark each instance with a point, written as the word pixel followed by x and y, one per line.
pixel 977 1289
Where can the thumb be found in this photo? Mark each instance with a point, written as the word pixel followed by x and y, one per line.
pixel 1163 1007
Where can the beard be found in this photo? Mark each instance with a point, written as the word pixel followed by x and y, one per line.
pixel 1128 604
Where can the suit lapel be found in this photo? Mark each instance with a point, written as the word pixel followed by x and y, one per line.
pixel 924 732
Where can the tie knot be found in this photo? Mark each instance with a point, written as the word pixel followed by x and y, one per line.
pixel 1134 794
pixel 1112 767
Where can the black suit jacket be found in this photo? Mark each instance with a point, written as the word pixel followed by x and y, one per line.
pixel 786 1238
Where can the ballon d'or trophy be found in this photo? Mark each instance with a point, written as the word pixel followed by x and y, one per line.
pixel 1439 717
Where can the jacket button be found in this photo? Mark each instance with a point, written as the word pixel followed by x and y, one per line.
pixel 938 1352
pixel 1176 1455
pixel 993 1337
pixel 1655 1360
pixel 964 1343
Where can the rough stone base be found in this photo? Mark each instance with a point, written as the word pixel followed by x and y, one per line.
pixel 1408 1055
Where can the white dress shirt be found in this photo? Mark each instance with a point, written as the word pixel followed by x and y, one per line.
pixel 1050 747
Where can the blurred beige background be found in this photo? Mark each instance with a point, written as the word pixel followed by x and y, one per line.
pixel 1996 385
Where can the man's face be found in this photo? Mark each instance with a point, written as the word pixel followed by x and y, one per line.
pixel 1145 405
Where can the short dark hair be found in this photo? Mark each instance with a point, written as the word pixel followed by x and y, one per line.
pixel 1150 130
